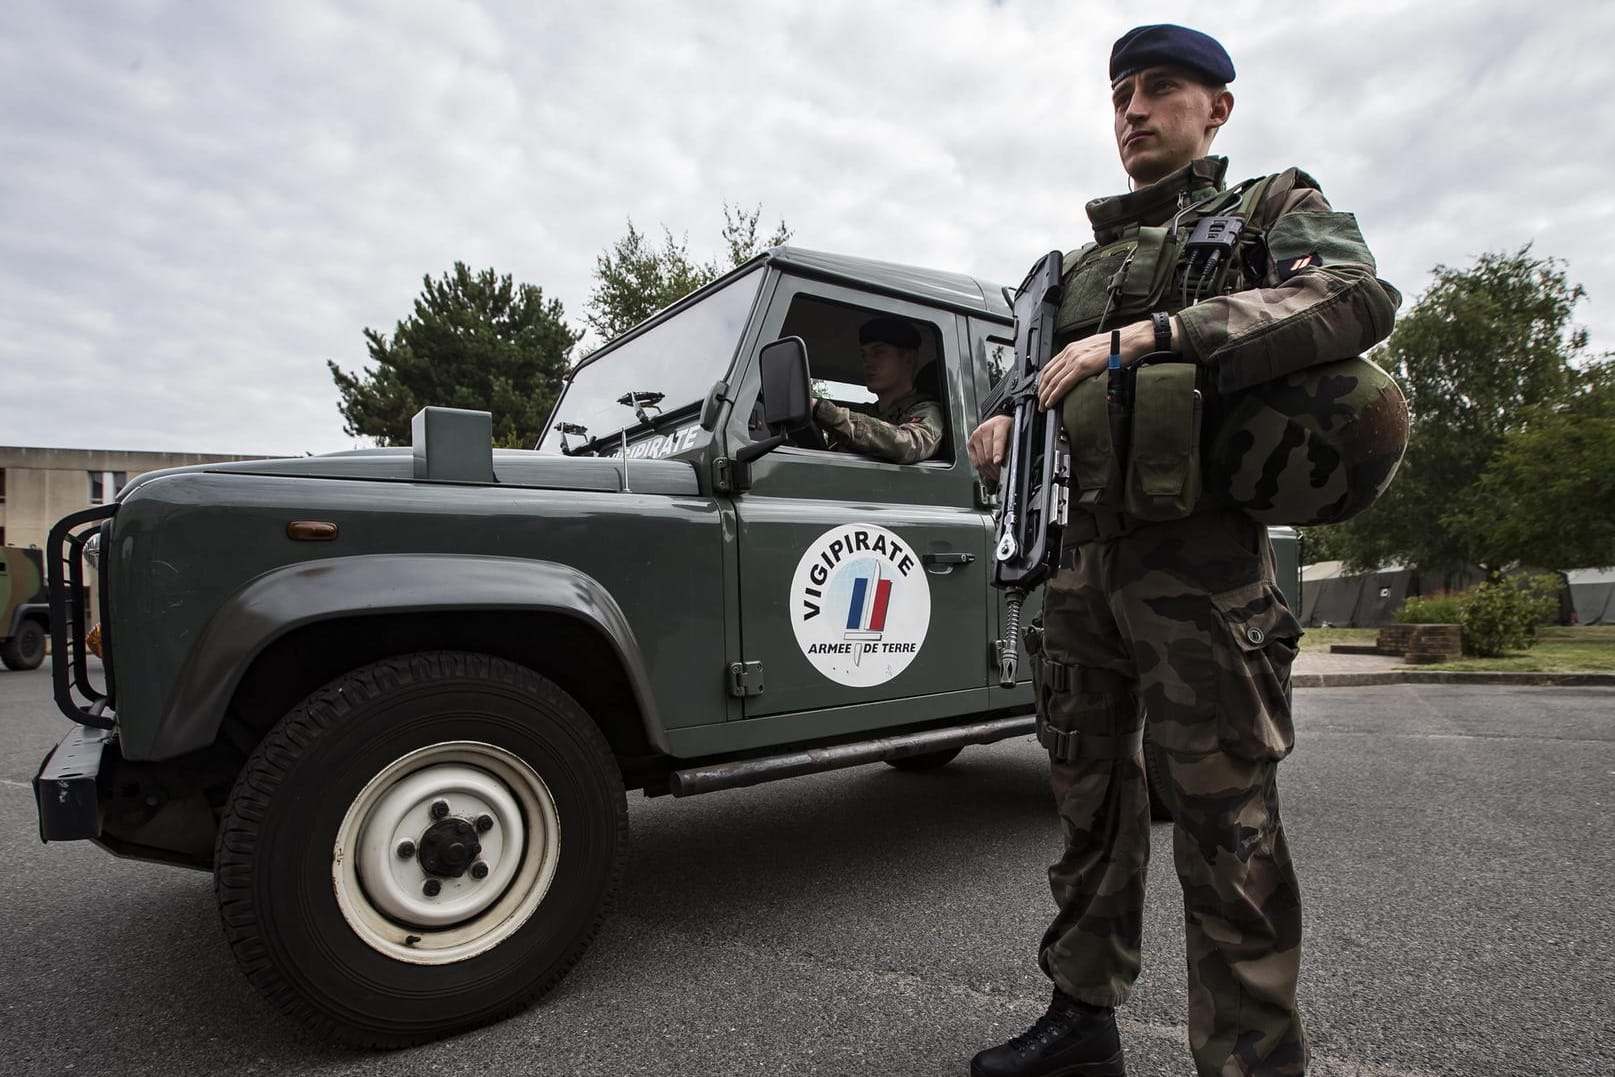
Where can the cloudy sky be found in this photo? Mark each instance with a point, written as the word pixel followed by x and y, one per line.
pixel 201 203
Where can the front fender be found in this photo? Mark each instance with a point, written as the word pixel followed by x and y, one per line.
pixel 288 598
pixel 36 611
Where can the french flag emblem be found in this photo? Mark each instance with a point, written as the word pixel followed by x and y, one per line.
pixel 866 612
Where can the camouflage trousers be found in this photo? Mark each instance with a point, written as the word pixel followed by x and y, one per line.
pixel 1178 626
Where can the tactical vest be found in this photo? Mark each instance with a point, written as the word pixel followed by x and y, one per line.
pixel 1153 268
pixel 1154 442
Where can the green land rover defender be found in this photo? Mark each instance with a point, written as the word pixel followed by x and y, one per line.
pixel 393 698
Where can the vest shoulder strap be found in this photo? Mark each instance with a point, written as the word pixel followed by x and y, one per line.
pixel 1290 179
pixel 1251 200
pixel 1072 257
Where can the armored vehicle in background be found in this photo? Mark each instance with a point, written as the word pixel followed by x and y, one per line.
pixel 24 608
pixel 393 698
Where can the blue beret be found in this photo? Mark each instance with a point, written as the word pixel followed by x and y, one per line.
pixel 1173 46
pixel 894 331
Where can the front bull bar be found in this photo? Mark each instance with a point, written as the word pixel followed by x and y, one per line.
pixel 68 620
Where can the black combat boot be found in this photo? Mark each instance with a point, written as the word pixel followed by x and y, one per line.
pixel 1072 1040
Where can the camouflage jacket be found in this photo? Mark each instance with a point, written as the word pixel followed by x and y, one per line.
pixel 905 433
pixel 1313 297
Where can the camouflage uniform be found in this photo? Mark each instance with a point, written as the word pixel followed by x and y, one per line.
pixel 905 433
pixel 1180 625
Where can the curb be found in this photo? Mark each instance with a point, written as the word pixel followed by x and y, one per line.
pixel 1430 676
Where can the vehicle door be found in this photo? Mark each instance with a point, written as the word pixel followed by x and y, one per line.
pixel 863 593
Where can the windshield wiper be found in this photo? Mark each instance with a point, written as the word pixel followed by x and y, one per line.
pixel 571 428
pixel 639 401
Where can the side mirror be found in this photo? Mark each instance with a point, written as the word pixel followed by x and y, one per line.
pixel 787 404
pixel 787 392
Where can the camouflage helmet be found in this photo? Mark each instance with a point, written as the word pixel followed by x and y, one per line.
pixel 1315 447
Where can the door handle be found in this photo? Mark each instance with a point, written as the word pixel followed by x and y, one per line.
pixel 940 564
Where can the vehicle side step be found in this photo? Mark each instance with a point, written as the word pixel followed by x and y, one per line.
pixel 744 772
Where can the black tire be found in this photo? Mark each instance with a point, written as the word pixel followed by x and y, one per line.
pixel 25 650
pixel 926 760
pixel 1155 777
pixel 350 750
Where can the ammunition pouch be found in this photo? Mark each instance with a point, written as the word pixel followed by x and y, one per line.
pixel 1163 453
pixel 1135 442
pixel 1097 464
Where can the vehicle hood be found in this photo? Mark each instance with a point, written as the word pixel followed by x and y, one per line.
pixel 511 467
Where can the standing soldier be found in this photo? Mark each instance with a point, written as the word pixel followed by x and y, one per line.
pixel 1165 609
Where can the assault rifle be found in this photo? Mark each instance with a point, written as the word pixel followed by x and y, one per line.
pixel 1032 485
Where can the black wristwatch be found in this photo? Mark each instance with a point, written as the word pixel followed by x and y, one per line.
pixel 1163 330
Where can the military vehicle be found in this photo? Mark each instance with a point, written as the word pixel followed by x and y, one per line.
pixel 24 608
pixel 392 698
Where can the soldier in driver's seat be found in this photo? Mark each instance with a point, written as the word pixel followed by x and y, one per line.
pixel 902 425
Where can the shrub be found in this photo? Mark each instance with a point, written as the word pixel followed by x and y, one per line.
pixel 1440 608
pixel 1503 616
pixel 1496 617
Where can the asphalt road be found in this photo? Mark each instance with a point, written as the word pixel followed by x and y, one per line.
pixel 1454 846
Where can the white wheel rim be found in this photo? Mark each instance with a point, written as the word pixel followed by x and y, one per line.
pixel 385 896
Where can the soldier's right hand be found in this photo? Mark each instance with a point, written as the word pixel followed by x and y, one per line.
pixel 988 445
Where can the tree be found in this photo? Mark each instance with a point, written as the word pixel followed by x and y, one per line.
pixel 634 279
pixel 1483 350
pixel 1322 544
pixel 1549 493
pixel 476 341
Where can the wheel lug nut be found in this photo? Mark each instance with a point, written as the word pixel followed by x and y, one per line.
pixel 432 888
pixel 406 850
pixel 484 823
pixel 440 808
pixel 479 870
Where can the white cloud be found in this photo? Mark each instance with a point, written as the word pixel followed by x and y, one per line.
pixel 201 204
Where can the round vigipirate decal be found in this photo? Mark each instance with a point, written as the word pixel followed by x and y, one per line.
pixel 860 605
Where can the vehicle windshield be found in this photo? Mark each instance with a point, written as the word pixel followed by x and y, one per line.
pixel 678 359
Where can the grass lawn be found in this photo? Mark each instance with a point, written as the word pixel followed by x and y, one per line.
pixel 1579 649
pixel 1320 639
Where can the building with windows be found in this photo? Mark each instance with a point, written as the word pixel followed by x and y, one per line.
pixel 40 486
